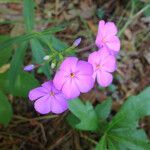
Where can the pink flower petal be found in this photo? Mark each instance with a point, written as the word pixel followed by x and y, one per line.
pixel 59 104
pixel 70 89
pixel 36 93
pixel 43 105
pixel 85 83
pixel 103 53
pixel 104 78
pixel 101 27
pixel 109 64
pixel 59 79
pixel 107 36
pixel 84 68
pixel 69 64
pixel 110 29
pixel 94 59
pixel 47 85
pixel 94 75
pixel 113 43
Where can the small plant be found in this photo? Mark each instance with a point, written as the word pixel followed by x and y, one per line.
pixel 67 77
pixel 77 76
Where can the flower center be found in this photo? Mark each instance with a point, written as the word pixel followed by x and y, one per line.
pixel 104 40
pixel 97 66
pixel 52 93
pixel 72 75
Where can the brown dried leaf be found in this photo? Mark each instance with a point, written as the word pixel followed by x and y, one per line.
pixel 4 68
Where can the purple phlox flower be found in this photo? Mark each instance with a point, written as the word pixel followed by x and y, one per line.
pixel 74 76
pixel 103 64
pixel 77 42
pixel 106 36
pixel 48 99
pixel 29 67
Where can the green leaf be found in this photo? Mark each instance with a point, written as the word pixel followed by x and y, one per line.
pixel 4 38
pixel 72 120
pixel 100 13
pixel 5 110
pixel 24 83
pixel 55 42
pixel 122 132
pixel 113 146
pixel 103 109
pixel 131 138
pixel 5 54
pixel 10 1
pixel 28 36
pixel 137 106
pixel 28 13
pixel 3 84
pixel 102 144
pixel 38 54
pixel 16 64
pixel 85 113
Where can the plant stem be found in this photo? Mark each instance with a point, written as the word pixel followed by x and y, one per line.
pixel 89 139
pixel 132 17
pixel 36 118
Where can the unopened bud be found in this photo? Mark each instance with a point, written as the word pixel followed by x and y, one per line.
pixel 47 57
pixel 29 67
pixel 77 42
pixel 53 65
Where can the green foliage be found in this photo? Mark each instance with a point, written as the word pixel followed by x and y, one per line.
pixel 16 64
pixel 26 37
pixel 85 113
pixel 10 1
pixel 38 54
pixel 5 54
pixel 123 131
pixel 3 78
pixel 103 110
pixel 100 13
pixel 5 110
pixel 15 81
pixel 24 83
pixel 56 43
pixel 28 13
pixel 72 120
pixel 147 11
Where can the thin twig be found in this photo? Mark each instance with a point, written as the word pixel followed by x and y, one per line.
pixel 86 48
pixel 36 118
pixel 89 139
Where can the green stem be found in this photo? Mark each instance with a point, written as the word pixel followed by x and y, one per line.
pixel 132 18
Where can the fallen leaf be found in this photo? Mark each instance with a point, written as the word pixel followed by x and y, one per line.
pixel 4 68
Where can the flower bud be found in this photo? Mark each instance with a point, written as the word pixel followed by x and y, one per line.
pixel 53 65
pixel 29 67
pixel 47 57
pixel 77 42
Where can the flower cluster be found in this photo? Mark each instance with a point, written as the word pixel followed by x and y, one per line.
pixel 77 76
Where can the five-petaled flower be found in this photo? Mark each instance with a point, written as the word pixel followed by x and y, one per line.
pixel 48 99
pixel 74 76
pixel 106 37
pixel 103 64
